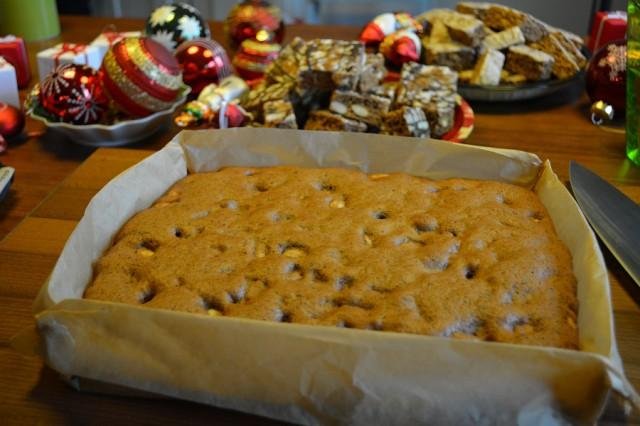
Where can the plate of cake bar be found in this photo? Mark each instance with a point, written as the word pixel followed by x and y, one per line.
pixel 336 85
pixel 500 53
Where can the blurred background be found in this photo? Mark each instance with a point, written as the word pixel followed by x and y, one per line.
pixel 573 15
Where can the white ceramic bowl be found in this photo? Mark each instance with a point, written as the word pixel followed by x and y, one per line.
pixel 121 133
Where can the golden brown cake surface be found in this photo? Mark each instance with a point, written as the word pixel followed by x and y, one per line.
pixel 337 247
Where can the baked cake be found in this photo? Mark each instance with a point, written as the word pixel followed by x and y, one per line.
pixel 336 247
pixel 532 63
pixel 453 55
pixel 406 121
pixel 488 69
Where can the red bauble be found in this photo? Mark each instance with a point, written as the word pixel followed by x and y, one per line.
pixel 234 116
pixel 400 47
pixel 253 57
pixel 74 94
pixel 141 76
pixel 202 62
pixel 607 75
pixel 256 20
pixel 11 121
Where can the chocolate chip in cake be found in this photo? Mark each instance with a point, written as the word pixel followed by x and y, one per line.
pixel 147 295
pixel 261 187
pixel 319 276
pixel 294 271
pixel 283 316
pixel 179 232
pixel 211 303
pixel 149 244
pixel 425 226
pixel 349 301
pixel 344 281
pixel 324 186
pixel 344 324
pixel 470 271
pixel 376 325
pixel 380 215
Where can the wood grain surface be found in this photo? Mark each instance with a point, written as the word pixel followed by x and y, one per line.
pixel 56 178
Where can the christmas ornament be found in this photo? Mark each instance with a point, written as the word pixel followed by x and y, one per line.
pixel 141 76
pixel 73 93
pixel 202 62
pixel 11 123
pixel 253 57
pixel 400 47
pixel 606 80
pixel 254 19
pixel 387 23
pixel 230 115
pixel 214 99
pixel 172 24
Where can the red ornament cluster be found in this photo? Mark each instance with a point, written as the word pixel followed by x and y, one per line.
pixel 395 35
pixel 607 75
pixel 256 20
pixel 202 62
pixel 74 94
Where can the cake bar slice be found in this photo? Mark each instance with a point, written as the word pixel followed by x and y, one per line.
pixel 291 58
pixel 387 89
pixel 564 66
pixel 500 18
pixel 280 114
pixel 426 77
pixel 503 39
pixel 366 108
pixel 488 69
pixel 452 55
pixel 440 111
pixel 258 96
pixel 326 120
pixel 477 9
pixel 342 60
pixel 532 63
pixel 465 29
pixel 429 18
pixel 373 72
pixel 406 121
pixel 569 44
pixel 439 33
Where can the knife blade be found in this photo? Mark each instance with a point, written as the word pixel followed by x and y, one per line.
pixel 614 217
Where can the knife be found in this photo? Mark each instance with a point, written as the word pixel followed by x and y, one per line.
pixel 614 217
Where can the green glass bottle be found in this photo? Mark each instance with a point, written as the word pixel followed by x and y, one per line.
pixel 633 80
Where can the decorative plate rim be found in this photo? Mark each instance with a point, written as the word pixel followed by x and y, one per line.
pixel 115 126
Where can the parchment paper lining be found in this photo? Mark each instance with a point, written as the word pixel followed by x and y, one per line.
pixel 319 374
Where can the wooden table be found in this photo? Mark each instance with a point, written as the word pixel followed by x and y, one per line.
pixel 54 183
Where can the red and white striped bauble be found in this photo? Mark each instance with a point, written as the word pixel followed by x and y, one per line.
pixel 141 76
